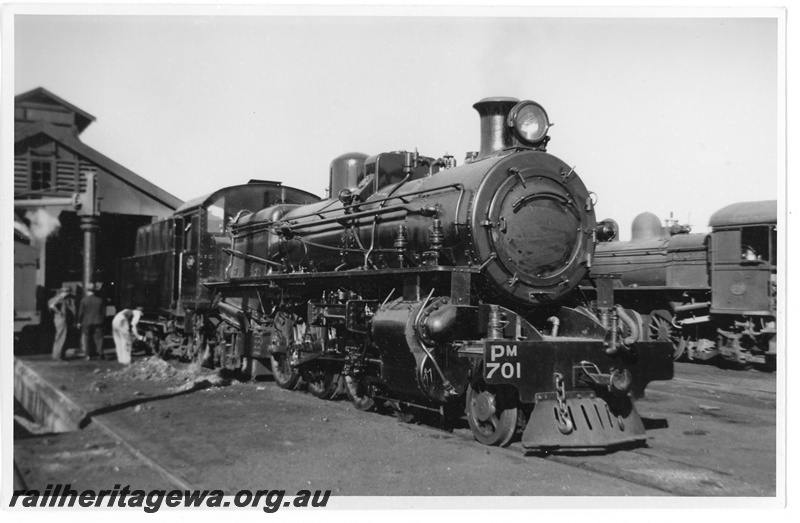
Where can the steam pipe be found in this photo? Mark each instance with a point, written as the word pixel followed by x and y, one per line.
pixel 632 325
pixel 448 387
pixel 325 210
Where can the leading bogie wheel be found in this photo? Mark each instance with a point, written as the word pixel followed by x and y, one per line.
pixel 322 383
pixel 285 376
pixel 492 413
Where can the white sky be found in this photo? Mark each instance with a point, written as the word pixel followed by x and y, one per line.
pixel 657 114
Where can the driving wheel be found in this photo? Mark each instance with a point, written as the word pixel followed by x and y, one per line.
pixel 660 328
pixel 285 376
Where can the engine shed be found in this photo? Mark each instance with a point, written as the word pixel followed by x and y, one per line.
pixel 65 192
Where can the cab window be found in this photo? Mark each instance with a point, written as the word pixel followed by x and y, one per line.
pixel 756 243
pixel 216 217
pixel 773 248
pixel 191 232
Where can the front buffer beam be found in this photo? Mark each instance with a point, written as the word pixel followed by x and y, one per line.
pixel 581 395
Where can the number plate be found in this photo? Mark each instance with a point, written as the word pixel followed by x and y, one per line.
pixel 502 362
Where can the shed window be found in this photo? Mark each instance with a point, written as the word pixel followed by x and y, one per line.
pixel 41 175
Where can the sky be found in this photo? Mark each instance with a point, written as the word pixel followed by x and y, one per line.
pixel 663 114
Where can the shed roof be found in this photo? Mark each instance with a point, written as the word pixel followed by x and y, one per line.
pixel 745 213
pixel 68 140
pixel 42 95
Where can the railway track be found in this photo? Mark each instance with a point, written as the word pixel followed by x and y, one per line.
pixel 704 440
pixel 694 407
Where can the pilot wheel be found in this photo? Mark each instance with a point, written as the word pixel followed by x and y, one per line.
pixel 491 413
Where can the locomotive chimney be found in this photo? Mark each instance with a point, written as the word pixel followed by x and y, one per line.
pixel 495 133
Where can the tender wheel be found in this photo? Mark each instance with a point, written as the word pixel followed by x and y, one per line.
pixel 172 343
pixel 212 339
pixel 491 413
pixel 660 328
pixel 358 393
pixel 285 376
pixel 322 383
pixel 224 343
pixel 152 344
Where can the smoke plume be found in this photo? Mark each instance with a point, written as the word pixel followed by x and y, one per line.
pixel 43 224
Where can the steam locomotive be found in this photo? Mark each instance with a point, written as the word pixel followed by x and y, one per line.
pixel 711 295
pixel 426 285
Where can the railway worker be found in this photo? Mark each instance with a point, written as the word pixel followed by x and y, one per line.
pixel 749 253
pixel 63 307
pixel 125 330
pixel 91 313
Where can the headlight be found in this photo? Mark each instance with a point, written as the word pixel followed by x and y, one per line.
pixel 529 122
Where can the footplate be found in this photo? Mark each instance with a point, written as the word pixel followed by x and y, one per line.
pixel 591 425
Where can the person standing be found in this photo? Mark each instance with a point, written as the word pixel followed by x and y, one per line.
pixel 63 307
pixel 91 314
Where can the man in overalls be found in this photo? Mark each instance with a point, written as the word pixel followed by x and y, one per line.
pixel 124 328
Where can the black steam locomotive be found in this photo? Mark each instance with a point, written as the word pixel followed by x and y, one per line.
pixel 712 295
pixel 428 285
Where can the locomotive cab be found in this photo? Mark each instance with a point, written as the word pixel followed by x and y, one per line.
pixel 744 251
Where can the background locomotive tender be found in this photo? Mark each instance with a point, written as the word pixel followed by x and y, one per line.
pixel 712 295
pixel 429 285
